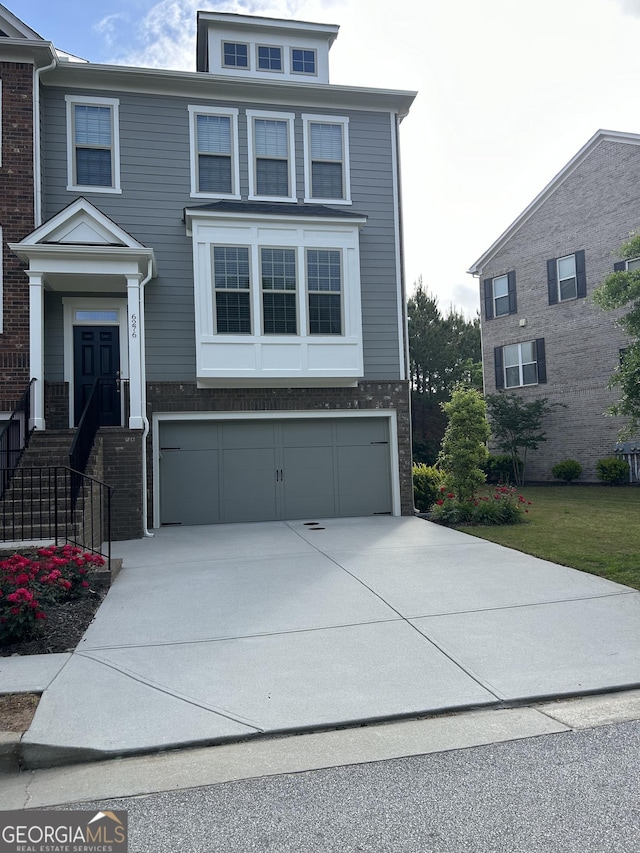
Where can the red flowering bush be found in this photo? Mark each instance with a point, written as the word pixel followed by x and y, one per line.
pixel 28 585
pixel 502 506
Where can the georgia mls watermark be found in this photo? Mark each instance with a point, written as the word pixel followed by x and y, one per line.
pixel 63 832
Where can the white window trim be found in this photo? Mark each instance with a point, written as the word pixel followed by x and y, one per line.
pixel 495 298
pixel 114 104
pixel 270 47
pixel 308 292
pixel 71 304
pixel 307 120
pixel 295 292
pixel 275 116
pixel 631 261
pixel 521 364
pixel 249 290
pixel 307 50
pixel 195 111
pixel 574 276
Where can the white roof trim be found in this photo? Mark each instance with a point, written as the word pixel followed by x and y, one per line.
pixel 583 153
pixel 15 28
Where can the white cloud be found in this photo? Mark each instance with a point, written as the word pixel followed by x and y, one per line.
pixel 108 28
pixel 631 7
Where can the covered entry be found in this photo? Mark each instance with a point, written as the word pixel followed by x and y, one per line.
pixel 265 470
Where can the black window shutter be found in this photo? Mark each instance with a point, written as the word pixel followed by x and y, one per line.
pixel 511 284
pixel 488 298
pixel 620 266
pixel 542 361
pixel 497 357
pixel 552 281
pixel 581 275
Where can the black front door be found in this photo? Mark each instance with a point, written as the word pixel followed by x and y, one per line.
pixel 96 355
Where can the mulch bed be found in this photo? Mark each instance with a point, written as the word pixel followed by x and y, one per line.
pixel 62 630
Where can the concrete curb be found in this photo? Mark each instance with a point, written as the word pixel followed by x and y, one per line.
pixel 10 752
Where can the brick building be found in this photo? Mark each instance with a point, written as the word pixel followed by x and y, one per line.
pixel 542 336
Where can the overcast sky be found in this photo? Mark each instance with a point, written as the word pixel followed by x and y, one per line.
pixel 508 93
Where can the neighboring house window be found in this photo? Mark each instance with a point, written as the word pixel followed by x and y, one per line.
pixel 566 277
pixel 235 55
pixel 622 266
pixel 272 162
pixel 93 158
pixel 269 58
pixel 231 281
pixel 500 296
pixel 303 61
pixel 279 298
pixel 520 364
pixel 214 152
pixel 324 288
pixel 326 153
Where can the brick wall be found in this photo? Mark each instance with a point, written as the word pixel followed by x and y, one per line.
pixel 186 397
pixel 122 469
pixel 594 209
pixel 17 220
pixel 56 405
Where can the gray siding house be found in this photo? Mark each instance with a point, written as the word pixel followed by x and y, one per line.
pixel 221 249
pixel 542 336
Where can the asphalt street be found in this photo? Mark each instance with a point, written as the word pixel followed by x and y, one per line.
pixel 572 791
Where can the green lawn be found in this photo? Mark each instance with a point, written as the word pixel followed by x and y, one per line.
pixel 592 528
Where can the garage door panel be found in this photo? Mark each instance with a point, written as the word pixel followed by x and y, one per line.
pixel 250 434
pixel 307 434
pixel 309 482
pixel 364 486
pixel 249 485
pixel 194 435
pixel 189 487
pixel 357 431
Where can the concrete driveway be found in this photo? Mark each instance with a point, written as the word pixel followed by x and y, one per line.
pixel 231 631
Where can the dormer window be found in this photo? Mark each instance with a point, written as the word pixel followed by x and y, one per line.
pixel 269 58
pixel 303 61
pixel 235 55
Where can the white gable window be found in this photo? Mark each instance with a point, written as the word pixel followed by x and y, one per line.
pixel 326 159
pixel 93 144
pixel 214 152
pixel 235 54
pixel 269 58
pixel 272 174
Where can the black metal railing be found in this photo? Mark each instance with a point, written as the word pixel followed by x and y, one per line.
pixel 39 505
pixel 14 437
pixel 85 437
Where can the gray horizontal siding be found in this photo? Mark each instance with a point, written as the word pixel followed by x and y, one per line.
pixel 155 179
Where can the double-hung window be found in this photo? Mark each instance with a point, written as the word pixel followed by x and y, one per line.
pixel 326 153
pixel 214 153
pixel 566 277
pixel 520 364
pixel 324 290
pixel 500 295
pixel 279 296
pixel 232 290
pixel 627 266
pixel 93 153
pixel 271 157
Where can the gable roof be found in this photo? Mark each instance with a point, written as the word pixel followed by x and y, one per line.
pixel 598 137
pixel 13 28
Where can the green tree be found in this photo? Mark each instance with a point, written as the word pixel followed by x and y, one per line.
pixel 443 352
pixel 464 448
pixel 621 289
pixel 517 427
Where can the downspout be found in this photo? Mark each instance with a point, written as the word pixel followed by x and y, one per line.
pixel 37 160
pixel 143 383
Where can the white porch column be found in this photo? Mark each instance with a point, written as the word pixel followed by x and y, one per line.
pixel 36 347
pixel 136 352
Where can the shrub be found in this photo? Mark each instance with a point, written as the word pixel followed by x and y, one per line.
pixel 503 506
pixel 29 585
pixel 613 470
pixel 463 446
pixel 499 469
pixel 426 484
pixel 567 470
